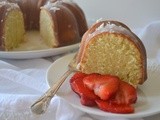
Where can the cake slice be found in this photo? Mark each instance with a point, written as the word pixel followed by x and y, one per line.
pixel 11 26
pixel 58 26
pixel 110 47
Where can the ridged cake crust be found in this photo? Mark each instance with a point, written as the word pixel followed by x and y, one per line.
pixel 70 31
pixel 116 35
pixel 79 15
pixel 66 30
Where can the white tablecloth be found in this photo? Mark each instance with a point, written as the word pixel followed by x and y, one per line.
pixel 23 81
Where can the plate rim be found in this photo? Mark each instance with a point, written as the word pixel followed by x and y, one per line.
pixel 37 53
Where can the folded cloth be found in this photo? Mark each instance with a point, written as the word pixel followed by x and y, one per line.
pixel 23 82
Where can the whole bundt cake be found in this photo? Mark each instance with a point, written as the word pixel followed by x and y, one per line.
pixel 110 47
pixel 60 22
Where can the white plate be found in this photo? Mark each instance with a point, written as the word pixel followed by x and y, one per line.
pixel 148 94
pixel 34 47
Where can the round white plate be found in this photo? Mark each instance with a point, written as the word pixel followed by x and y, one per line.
pixel 148 94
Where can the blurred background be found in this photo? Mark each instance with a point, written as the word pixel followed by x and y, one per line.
pixel 134 13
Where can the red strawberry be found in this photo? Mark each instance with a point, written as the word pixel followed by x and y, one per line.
pixel 104 86
pixel 90 80
pixel 126 94
pixel 86 94
pixel 77 75
pixel 114 108
pixel 107 91
pixel 87 101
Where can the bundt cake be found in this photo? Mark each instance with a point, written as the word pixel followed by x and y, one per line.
pixel 60 22
pixel 110 47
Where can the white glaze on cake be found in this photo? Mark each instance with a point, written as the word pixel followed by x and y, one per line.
pixel 52 6
pixel 111 28
pixel 12 5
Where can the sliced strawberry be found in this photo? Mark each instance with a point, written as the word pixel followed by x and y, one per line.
pixel 126 94
pixel 107 91
pixel 77 75
pixel 87 95
pixel 104 86
pixel 114 108
pixel 87 101
pixel 93 80
pixel 82 90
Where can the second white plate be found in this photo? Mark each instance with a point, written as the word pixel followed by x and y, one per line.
pixel 148 94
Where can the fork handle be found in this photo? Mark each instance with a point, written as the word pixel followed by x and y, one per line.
pixel 41 105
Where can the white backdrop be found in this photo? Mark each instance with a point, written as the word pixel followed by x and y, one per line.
pixel 134 13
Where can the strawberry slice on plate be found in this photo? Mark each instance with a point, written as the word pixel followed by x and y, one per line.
pixel 79 88
pixel 114 108
pixel 126 94
pixel 77 75
pixel 107 92
pixel 87 101
pixel 103 86
pixel 87 96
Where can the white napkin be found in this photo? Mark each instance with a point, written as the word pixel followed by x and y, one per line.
pixel 150 36
pixel 23 81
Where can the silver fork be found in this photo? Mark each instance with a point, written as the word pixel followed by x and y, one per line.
pixel 41 105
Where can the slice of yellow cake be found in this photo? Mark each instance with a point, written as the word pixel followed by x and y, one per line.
pixel 11 26
pixel 110 47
